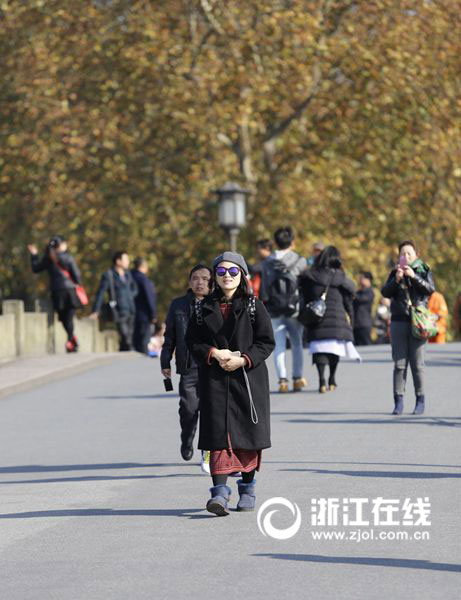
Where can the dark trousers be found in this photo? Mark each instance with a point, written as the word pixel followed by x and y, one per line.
pixel 64 303
pixel 188 405
pixel 362 336
pixel 321 360
pixel 66 317
pixel 407 350
pixel 125 328
pixel 142 335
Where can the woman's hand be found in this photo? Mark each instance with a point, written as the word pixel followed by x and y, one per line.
pixel 233 363
pixel 221 355
pixel 409 272
pixel 399 274
pixel 32 249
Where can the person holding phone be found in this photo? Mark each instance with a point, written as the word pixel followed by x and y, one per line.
pixel 230 338
pixel 411 277
pixel 179 313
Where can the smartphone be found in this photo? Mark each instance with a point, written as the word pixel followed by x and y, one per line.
pixel 168 384
pixel 403 262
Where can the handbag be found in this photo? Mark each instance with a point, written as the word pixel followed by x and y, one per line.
pixel 314 311
pixel 423 322
pixel 79 289
pixel 108 310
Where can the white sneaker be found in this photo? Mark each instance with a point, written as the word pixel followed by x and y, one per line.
pixel 205 462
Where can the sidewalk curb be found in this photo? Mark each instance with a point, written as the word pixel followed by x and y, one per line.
pixel 60 374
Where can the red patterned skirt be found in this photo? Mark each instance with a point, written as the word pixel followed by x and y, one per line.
pixel 227 461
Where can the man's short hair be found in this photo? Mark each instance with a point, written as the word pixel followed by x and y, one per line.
pixel 265 244
pixel 367 275
pixel 284 237
pixel 198 268
pixel 118 255
pixel 407 243
pixel 139 262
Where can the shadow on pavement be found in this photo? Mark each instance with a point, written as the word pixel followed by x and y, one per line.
pixel 340 462
pixel 96 467
pixel 132 397
pixel 98 478
pixel 396 474
pixel 368 561
pixel 292 393
pixel 317 413
pixel 104 512
pixel 445 422
pixel 447 362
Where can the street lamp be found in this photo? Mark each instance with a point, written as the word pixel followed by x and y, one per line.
pixel 231 200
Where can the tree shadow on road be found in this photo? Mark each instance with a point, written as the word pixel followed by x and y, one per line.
pixel 319 413
pixel 104 512
pixel 341 462
pixel 368 561
pixel 390 474
pixel 432 421
pixel 97 478
pixel 131 397
pixel 443 362
pixel 95 467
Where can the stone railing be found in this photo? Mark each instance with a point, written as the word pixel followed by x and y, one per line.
pixel 36 333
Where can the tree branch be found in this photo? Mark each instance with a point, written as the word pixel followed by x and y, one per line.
pixel 208 11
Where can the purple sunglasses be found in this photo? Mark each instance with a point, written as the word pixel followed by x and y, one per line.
pixel 233 271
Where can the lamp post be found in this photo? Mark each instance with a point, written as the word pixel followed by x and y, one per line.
pixel 232 217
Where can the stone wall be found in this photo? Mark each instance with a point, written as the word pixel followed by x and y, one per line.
pixel 36 333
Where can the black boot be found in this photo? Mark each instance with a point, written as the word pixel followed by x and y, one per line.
pixel 419 408
pixel 398 402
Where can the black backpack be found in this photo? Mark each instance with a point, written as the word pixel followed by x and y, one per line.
pixel 283 289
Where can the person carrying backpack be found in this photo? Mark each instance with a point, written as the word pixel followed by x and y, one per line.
pixel 280 294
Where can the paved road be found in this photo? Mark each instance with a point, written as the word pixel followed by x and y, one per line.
pixel 96 503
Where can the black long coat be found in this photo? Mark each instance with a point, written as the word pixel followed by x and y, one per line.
pixel 335 325
pixel 224 400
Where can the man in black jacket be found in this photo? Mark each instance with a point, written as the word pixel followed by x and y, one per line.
pixel 177 321
pixel 363 305
pixel 119 283
pixel 146 305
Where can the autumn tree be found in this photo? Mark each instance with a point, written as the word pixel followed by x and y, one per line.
pixel 119 117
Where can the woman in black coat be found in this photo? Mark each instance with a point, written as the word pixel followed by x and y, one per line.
pixel 230 337
pixel 332 337
pixel 64 277
pixel 411 278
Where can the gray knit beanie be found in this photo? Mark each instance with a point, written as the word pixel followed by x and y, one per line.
pixel 232 257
